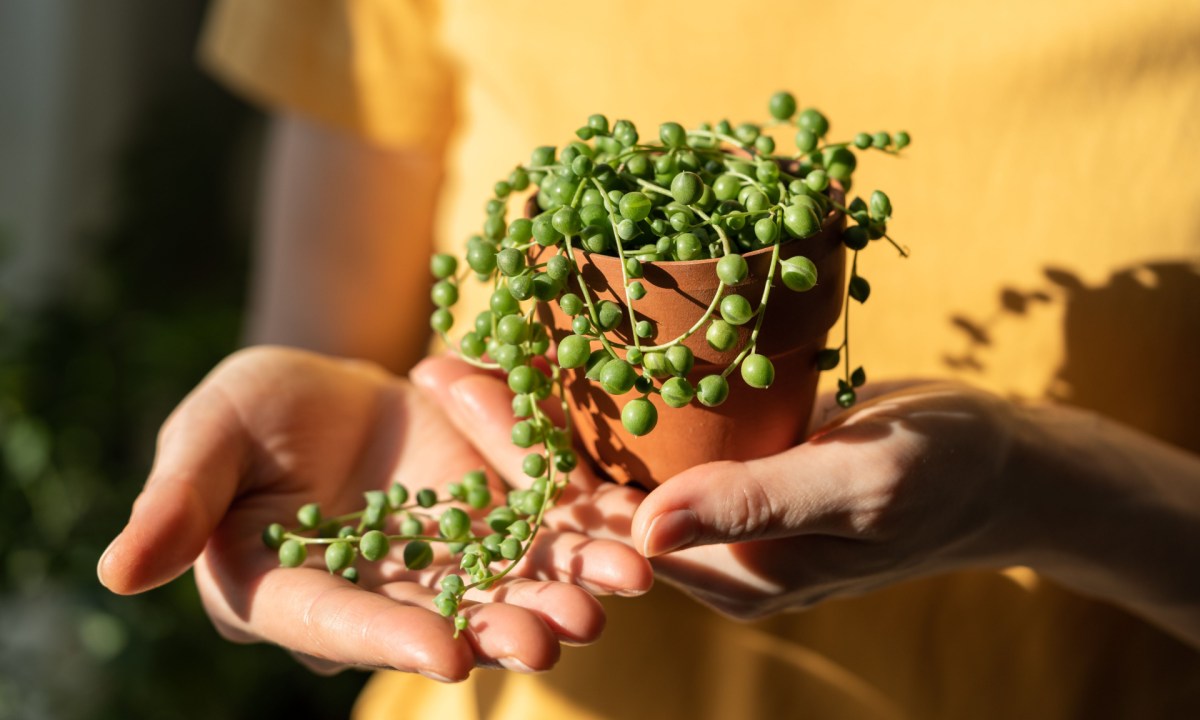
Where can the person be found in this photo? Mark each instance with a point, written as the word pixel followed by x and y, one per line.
pixel 905 530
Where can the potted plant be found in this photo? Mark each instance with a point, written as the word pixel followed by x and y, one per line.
pixel 684 286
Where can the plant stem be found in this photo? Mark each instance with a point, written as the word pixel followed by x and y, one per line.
pixel 752 343
pixel 593 313
pixel 712 306
pixel 624 273
pixel 846 319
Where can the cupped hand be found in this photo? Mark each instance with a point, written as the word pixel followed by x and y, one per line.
pixel 916 481
pixel 272 429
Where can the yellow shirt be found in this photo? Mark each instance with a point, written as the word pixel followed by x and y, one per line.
pixel 1049 200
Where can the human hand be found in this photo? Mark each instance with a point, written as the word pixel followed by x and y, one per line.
pixel 592 512
pixel 271 429
pixel 919 479
pixel 894 489
pixel 914 482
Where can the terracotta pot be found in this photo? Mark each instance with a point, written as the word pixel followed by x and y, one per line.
pixel 752 422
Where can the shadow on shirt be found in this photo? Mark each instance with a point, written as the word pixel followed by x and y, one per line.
pixel 1132 345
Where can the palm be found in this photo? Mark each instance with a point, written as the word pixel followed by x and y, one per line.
pixel 323 432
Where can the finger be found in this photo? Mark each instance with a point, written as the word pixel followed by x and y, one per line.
pixel 312 612
pixel 324 668
pixel 827 413
pixel 574 615
pixel 499 634
pixel 804 490
pixel 603 567
pixel 436 373
pixel 480 406
pixel 603 512
pixel 748 579
pixel 837 483
pixel 202 451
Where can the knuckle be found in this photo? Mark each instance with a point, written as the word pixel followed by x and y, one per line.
pixel 318 666
pixel 234 634
pixel 313 623
pixel 751 510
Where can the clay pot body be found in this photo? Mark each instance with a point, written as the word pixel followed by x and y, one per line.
pixel 751 423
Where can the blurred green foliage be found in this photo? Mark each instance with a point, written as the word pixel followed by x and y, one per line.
pixel 85 380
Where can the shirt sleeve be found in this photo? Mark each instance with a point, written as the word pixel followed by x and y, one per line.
pixel 371 67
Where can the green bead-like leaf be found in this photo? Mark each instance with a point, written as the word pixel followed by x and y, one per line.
pixel 574 351
pixel 732 269
pixel 720 335
pixel 782 105
pixel 374 545
pixel 858 378
pixel 273 536
pixel 798 273
pixel 454 524
pixel 828 359
pixel 617 377
pixel 338 556
pixel 309 516
pixel 417 555
pixel 712 390
pixel 736 310
pixel 757 371
pixel 860 289
pixel 292 553
pixel 801 221
pixel 677 392
pixel 639 416
pixel 679 360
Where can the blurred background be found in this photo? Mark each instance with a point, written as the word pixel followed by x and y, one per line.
pixel 127 183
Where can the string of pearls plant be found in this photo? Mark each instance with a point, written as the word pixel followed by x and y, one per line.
pixel 714 192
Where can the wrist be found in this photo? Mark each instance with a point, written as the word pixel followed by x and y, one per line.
pixel 1110 513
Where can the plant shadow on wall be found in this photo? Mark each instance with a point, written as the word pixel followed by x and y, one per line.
pixel 1130 345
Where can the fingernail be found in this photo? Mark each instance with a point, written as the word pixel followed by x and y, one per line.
pixel 630 593
pixel 593 588
pixel 670 531
pixel 100 562
pixel 434 676
pixel 510 663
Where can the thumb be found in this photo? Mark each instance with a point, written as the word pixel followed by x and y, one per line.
pixel 799 491
pixel 202 452
pixel 480 406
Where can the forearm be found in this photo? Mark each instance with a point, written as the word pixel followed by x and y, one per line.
pixel 346 229
pixel 1118 514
